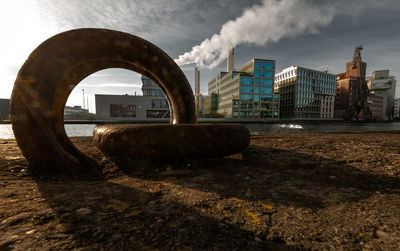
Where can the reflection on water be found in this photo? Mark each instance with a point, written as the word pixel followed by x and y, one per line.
pixel 291 126
pixel 6 131
pixel 321 127
pixel 255 128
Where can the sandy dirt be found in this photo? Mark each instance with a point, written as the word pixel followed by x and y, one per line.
pixel 287 191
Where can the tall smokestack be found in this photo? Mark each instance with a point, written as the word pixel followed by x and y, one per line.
pixel 197 88
pixel 229 61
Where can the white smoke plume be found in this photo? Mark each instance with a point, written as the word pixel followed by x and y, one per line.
pixel 260 24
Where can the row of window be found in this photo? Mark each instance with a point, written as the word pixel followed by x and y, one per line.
pixel 264 74
pixel 256 97
pixel 250 89
pixel 248 105
pixel 255 114
pixel 256 81
pixel 310 88
pixel 316 82
pixel 263 65
pixel 313 74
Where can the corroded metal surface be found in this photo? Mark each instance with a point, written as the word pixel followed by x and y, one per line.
pixel 54 68
pixel 171 141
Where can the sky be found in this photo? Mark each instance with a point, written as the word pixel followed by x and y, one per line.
pixel 308 33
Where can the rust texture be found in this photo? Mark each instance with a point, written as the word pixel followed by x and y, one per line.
pixel 54 68
pixel 171 141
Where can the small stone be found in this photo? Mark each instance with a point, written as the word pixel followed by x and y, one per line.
pixel 257 239
pixel 30 231
pixel 65 228
pixel 14 220
pixel 82 212
pixel 7 242
pixel 382 234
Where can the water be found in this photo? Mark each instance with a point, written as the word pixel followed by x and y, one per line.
pixel 322 127
pixel 6 131
pixel 255 128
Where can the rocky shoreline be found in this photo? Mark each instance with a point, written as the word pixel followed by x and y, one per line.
pixel 286 191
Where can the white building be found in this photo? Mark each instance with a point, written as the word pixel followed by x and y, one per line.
pixel 397 108
pixel 305 93
pixel 152 106
pixel 384 85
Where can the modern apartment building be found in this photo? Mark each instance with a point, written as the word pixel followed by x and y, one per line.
pixel 382 84
pixel 306 93
pixel 247 92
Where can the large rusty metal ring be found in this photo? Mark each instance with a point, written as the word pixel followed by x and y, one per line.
pixel 55 67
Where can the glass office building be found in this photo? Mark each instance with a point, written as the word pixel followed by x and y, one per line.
pixel 247 92
pixel 306 93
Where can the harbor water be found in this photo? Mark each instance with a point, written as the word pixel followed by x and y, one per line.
pixel 75 130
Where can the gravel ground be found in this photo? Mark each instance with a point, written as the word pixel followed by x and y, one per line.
pixel 286 191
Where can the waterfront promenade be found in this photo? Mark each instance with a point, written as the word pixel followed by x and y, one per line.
pixel 286 191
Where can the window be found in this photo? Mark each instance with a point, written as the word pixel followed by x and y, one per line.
pixel 246 97
pixel 257 64
pixel 266 97
pixel 266 105
pixel 256 82
pixel 246 89
pixel 122 110
pixel 157 114
pixel 265 81
pixel 159 103
pixel 257 89
pixel 256 97
pixel 267 90
pixel 267 66
pixel 257 73
pixel 246 81
pixel 267 74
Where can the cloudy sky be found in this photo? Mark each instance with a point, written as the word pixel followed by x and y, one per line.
pixel 309 33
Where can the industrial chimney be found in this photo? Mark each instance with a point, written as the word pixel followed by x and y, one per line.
pixel 197 88
pixel 229 61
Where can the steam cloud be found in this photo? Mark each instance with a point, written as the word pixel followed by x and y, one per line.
pixel 260 24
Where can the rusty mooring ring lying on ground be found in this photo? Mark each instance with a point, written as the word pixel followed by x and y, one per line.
pixel 171 141
pixel 54 68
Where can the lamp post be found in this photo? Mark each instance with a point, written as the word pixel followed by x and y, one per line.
pixel 83 98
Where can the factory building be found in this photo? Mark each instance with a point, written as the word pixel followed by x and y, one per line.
pixel 152 106
pixel 382 84
pixel 305 93
pixel 244 93
pixel 4 109
pixel 352 98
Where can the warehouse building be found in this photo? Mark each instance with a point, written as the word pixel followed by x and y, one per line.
pixel 152 106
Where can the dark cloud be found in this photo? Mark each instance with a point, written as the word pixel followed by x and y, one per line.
pixel 176 26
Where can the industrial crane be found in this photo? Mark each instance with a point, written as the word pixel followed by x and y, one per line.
pixel 361 101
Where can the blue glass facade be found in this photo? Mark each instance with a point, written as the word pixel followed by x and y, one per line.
pixel 257 98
